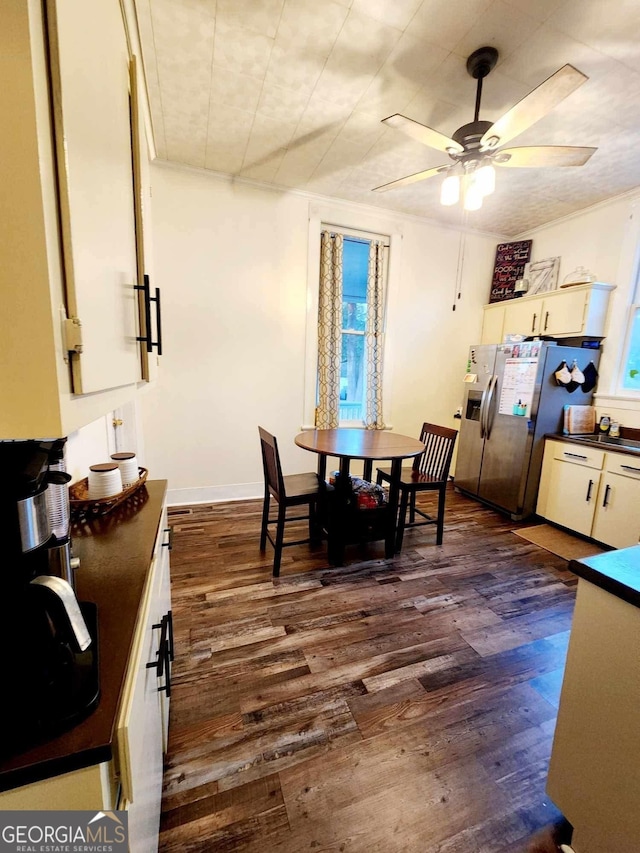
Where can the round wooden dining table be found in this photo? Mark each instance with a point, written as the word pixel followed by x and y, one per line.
pixel 370 445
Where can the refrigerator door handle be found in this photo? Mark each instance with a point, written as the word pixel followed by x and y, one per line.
pixel 488 420
pixel 483 409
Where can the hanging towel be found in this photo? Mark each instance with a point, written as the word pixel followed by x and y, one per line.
pixel 563 377
pixel 576 377
pixel 590 377
pixel 576 374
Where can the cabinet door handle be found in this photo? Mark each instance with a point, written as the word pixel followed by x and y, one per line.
pixel 630 468
pixel 166 687
pixel 148 338
pixel 148 299
pixel 574 455
pixel 169 543
pixel 158 343
pixel 161 654
pixel 170 634
pixel 588 498
pixel 606 496
pixel 533 323
pixel 546 321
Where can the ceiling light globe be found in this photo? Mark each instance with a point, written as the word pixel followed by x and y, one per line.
pixel 473 197
pixel 450 191
pixel 485 179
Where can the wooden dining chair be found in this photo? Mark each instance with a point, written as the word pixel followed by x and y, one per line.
pixel 288 491
pixel 429 472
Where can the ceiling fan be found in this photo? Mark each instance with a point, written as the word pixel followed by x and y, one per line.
pixel 476 147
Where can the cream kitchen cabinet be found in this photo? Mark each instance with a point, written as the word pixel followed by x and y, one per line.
pixel 143 727
pixel 127 574
pixel 592 492
pixel 569 485
pixel 572 312
pixel 617 520
pixel 69 325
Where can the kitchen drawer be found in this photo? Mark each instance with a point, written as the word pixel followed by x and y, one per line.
pixel 579 454
pixel 626 465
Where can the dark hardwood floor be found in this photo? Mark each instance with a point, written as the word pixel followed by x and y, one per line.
pixel 385 706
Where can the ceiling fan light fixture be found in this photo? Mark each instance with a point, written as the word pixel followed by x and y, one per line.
pixel 476 146
pixel 485 179
pixel 473 194
pixel 450 190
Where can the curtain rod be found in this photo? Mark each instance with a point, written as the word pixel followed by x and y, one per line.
pixel 353 239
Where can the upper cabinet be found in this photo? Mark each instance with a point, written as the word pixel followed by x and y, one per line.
pixel 579 311
pixel 92 118
pixel 69 328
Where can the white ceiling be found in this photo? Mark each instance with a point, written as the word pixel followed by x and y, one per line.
pixel 292 92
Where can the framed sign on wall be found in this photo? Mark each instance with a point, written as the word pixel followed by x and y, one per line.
pixel 511 259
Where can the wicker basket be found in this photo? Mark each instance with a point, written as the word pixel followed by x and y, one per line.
pixel 82 505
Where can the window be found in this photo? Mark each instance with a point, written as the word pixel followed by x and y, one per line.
pixel 350 330
pixel 630 375
pixel 354 348
pixel 627 369
pixel 355 265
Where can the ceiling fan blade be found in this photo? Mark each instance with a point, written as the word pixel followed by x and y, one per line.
pixel 533 107
pixel 411 179
pixel 426 135
pixel 543 155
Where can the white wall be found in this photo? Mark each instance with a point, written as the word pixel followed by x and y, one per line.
pixel 605 240
pixel 231 262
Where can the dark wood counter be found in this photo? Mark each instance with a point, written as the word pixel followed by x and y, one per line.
pixel 115 553
pixel 617 572
pixel 609 446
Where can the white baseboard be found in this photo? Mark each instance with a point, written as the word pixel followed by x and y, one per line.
pixel 215 494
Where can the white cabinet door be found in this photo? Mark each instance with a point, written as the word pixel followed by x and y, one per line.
pixel 492 324
pixel 162 605
pixel 571 496
pixel 617 520
pixel 563 313
pixel 522 317
pixel 140 740
pixel 90 82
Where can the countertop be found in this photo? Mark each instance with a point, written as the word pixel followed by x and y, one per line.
pixel 115 552
pixel 609 445
pixel 617 572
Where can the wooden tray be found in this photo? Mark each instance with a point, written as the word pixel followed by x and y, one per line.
pixel 81 504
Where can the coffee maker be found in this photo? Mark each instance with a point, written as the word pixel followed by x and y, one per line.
pixel 49 639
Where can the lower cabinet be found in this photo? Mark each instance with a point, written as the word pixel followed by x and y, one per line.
pixel 592 492
pixel 132 779
pixel 143 726
pixel 617 519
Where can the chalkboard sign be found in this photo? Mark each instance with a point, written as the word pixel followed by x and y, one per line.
pixel 509 267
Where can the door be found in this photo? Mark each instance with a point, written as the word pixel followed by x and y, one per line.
pixel 616 522
pixel 90 83
pixel 522 317
pixel 471 439
pixel 572 495
pixel 563 313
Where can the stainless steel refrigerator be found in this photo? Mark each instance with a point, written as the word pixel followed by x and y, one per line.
pixel 511 400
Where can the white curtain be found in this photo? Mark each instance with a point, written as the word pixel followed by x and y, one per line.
pixel 374 336
pixel 329 331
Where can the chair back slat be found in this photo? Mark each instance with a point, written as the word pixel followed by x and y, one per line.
pixel 271 464
pixel 439 443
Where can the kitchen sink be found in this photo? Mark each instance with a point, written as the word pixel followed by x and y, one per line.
pixel 619 442
pixel 609 440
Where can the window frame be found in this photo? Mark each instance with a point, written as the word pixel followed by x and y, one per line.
pixel 631 267
pixel 633 311
pixel 367 227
